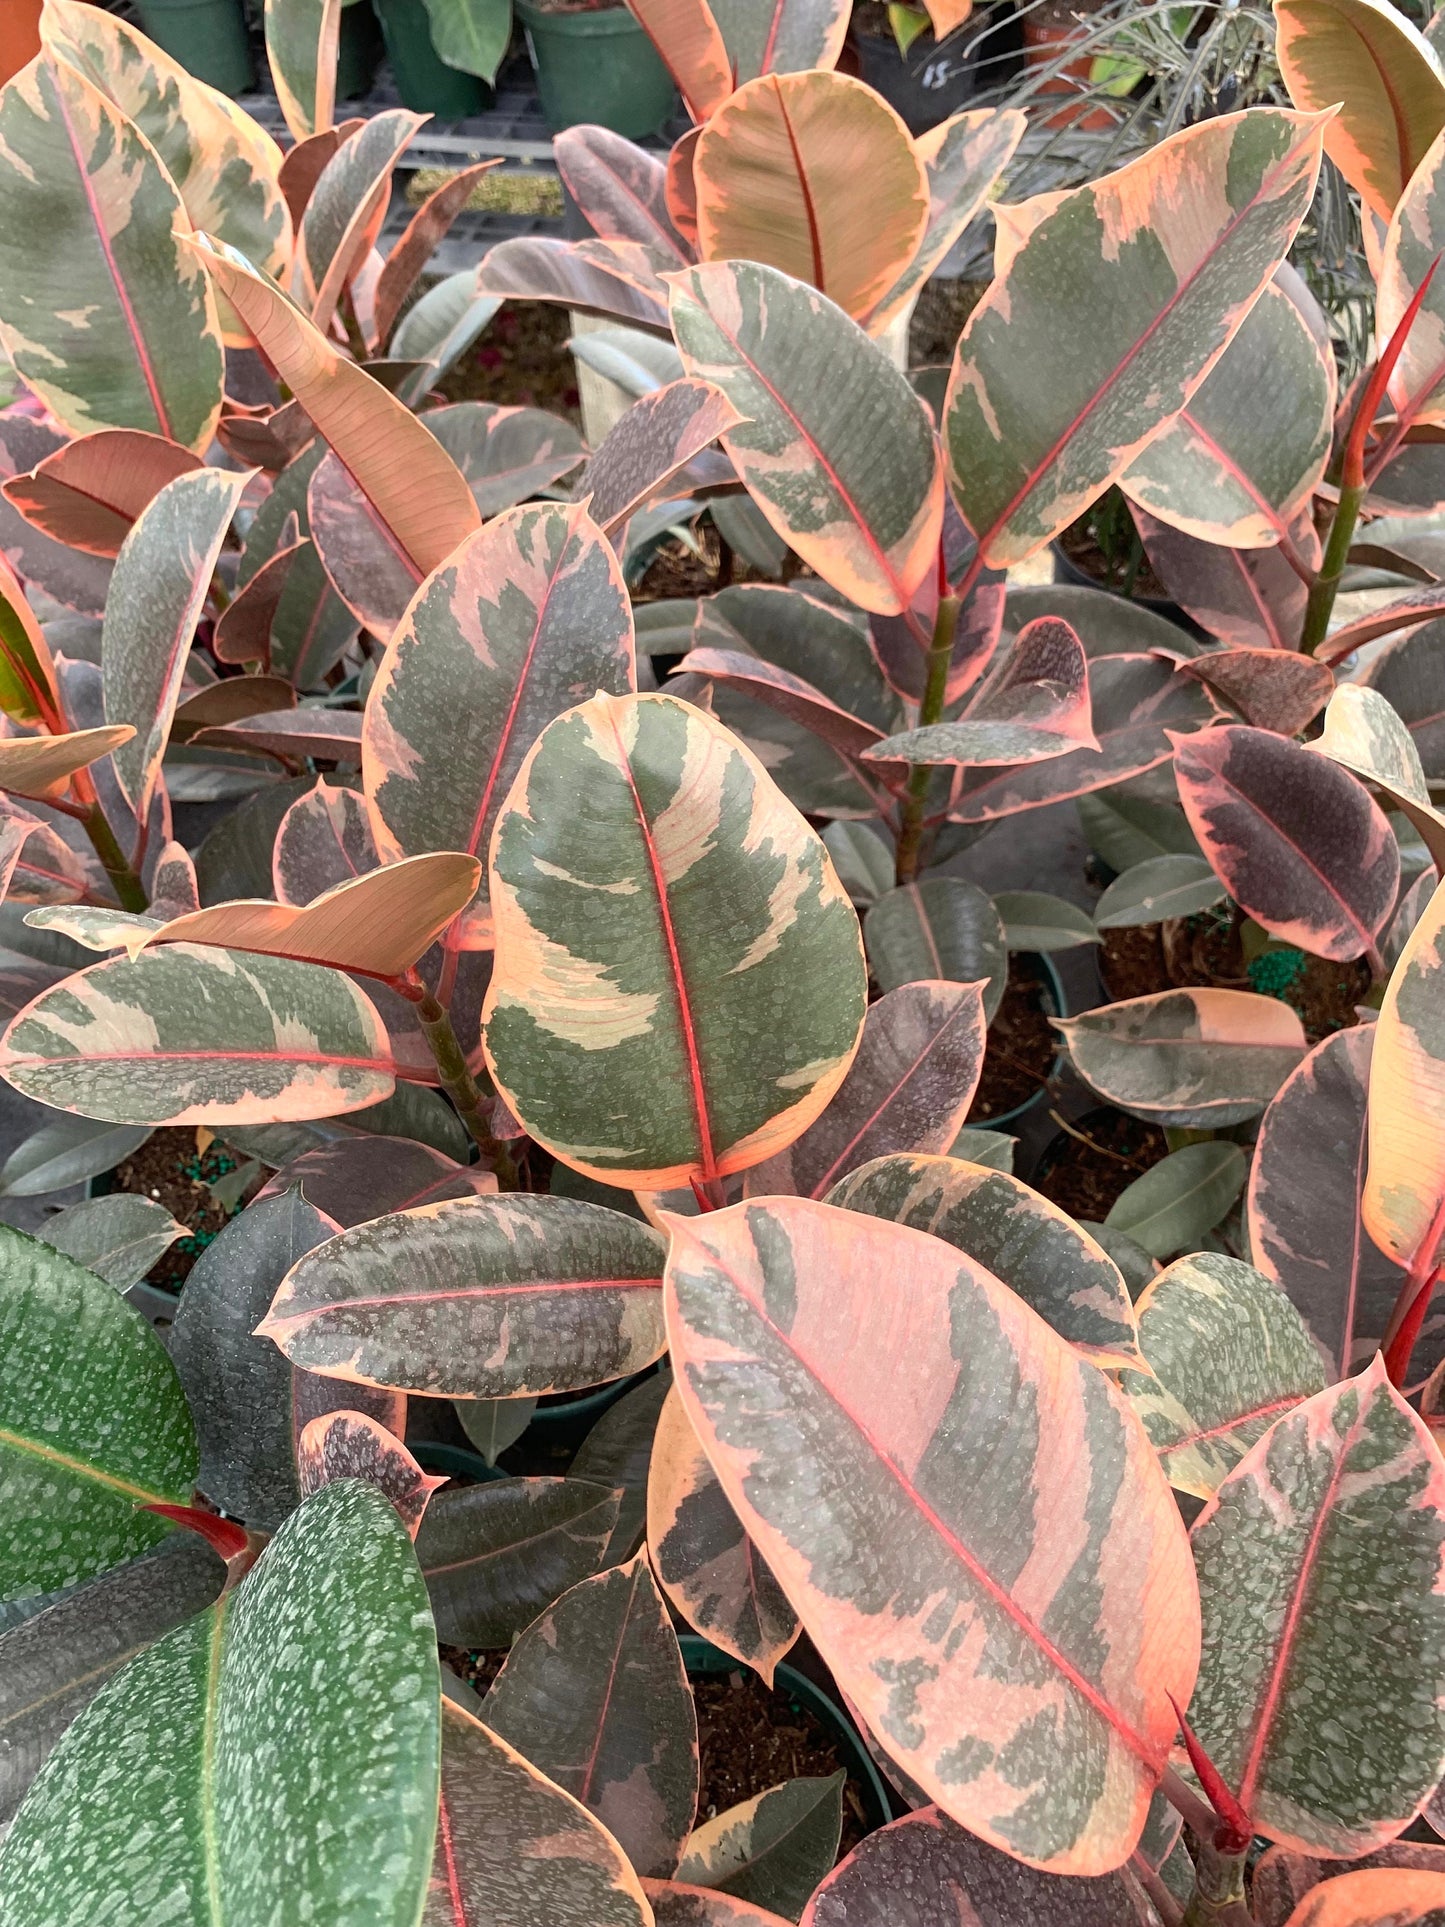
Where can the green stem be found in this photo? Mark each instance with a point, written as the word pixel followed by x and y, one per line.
pixel 1326 585
pixel 126 884
pixel 1218 1897
pixel 930 710
pixel 461 1087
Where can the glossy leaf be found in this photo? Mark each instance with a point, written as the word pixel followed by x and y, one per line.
pixel 368 568
pixel 790 695
pixel 186 1035
pixel 681 188
pixel 528 617
pixel 1159 887
pixel 325 838
pixel 1379 1897
pixel 41 766
pixel 594 1693
pixel 1014 1233
pixel 619 188
pixel 1365 734
pixel 889 1554
pixel 909 1089
pixel 303 39
pixel 111 322
pixel 494 1424
pixel 506 454
pixel 836 449
pixel 1405 1189
pixel 1411 244
pixel 1203 1059
pixel 55 1662
pixel 309 626
pixel 1181 1198
pixel 615 278
pixel 338 1807
pixel 1229 1354
pixel 776 170
pixel 910 1874
pixel 658 436
pixel 1269 688
pixel 346 207
pixel 162 578
pixel 89 493
pixel 617 1452
pixel 787 36
pixel 1025 459
pixel 76 580
pixel 1034 920
pixel 677 1905
pixel 406 475
pixel 943 927
pixel 333 734
pixel 687 36
pixel 1238 461
pixel 444 323
pixel 352 1445
pixel 1296 841
pixel 364 1177
pixel 648 1043
pixel 118 1237
pixel 495 1555
pixel 1371 61
pixel 1245 598
pixel 773 1849
pixel 709 1568
pixel 487 1297
pixel 250 1405
pixel 1345 1488
pixel 1306 1186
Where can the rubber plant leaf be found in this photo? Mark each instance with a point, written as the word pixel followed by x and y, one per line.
pixel 708 1567
pixel 772 1849
pixel 112 322
pixel 1346 1486
pixel 303 42
pixel 1363 732
pixel 620 189
pixel 346 209
pixel 89 493
pixel 1411 244
pixel 118 1237
pixel 508 455
pixel 1269 688
pixel 674 1904
pixel 424 233
pixel 642 1041
pixel 325 838
pixel 485 1297
pixel 353 1445
pixel 944 927
pixel 874 1339
pixel 332 1620
pixel 42 766
pixel 93 1424
pixel 1375 1897
pixel 783 37
pixel 687 36
pixel 1028 453
pixel 1404 1197
pixel 657 436
pixel 355 1179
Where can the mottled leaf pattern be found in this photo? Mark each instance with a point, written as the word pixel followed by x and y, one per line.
pixel 637 1036
pixel 1270 689
pixel 303 38
pixel 352 1445
pixel 1405 1190
pixel 367 566
pixel 773 1849
pixel 118 1237
pixel 658 435
pixel 834 1367
pixel 783 37
pixel 506 454
pixel 675 1904
pixel 619 187
pixel 346 207
pixel 40 766
pixel 325 838
pixel 1378 1897
pixel 1365 734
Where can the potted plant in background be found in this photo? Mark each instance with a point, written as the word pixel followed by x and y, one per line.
pixel 929 64
pixel 594 63
pixel 429 80
pixel 208 38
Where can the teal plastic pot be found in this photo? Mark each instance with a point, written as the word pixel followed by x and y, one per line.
pixel 423 79
pixel 703 1660
pixel 359 52
pixel 453 1460
pixel 597 67
pixel 208 38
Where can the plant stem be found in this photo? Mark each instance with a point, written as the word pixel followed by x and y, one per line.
pixel 1326 585
pixel 930 710
pixel 126 884
pixel 1218 1897
pixel 1413 1302
pixel 461 1087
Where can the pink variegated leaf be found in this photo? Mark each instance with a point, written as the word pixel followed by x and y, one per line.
pixel 620 189
pixel 657 436
pixel 351 1445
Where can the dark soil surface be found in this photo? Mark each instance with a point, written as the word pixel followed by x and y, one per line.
pixel 1080 546
pixel 1022 1046
pixel 1203 950
pixel 1089 1164
pixel 676 572
pixel 521 360
pixel 942 312
pixel 169 1168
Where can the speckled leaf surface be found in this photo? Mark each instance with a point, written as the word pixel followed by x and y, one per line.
pixel 302 41
pixel 310 625
pixel 942 928
pixel 365 563
pixel 791 696
pixel 1297 840
pixel 1025 457
pixel 506 454
pixel 1366 734
pixel 614 278
pixel 111 321
pixel 495 1555
pixel 41 766
pixel 772 1849
pixel 353 1445
pixel 1376 1897
pixel 1268 687
pixel 594 1694
pixel 909 1089
pixel 118 1237
pixel 657 436
pixel 782 37
pixel 1229 1354
pixel 76 580
pixel 528 618
pixel 674 1904
pixel 161 581
pixel 1282 1879
pixel 617 1452
pixel 1306 1184
pixel 485 1297
pixel 1322 1553
pixel 93 1423
pixel 641 1038
pixel 1408 675
pixel 620 188
pixel 1199 1058
pixel 835 448
pixel 1405 1188
pixel 1411 244
pixel 514 1850
pixel 709 1568
pixel 284 1741
pixel 833 1368
pixel 325 838
pixel 54 1663
pixel 1013 1232
pixel 187 1035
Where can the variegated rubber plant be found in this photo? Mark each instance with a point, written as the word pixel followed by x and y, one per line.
pixel 543 995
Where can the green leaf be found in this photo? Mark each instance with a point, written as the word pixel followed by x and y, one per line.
pixel 303 39
pixel 118 1237
pixel 618 1452
pixel 312 626
pixel 771 1850
pixel 1159 887
pixel 1229 1353
pixel 211 1801
pixel 506 454
pixel 862 859
pixel 1180 1198
pixel 111 322
pixel 93 1423
pixel 1127 830
pixel 594 1694
pixel 492 1424
pixel 495 1555
pixel 67 1152
pixel 482 1297
pixel 1320 1554
pixel 471 34
pixel 1034 920
pixel 187 1035
pixel 637 1036
pixel 992 1149
pixel 443 325
pixel 942 927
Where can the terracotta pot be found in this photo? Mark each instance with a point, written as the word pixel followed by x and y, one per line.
pixel 1048 30
pixel 19 35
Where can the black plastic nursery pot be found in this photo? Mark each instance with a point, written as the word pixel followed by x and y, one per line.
pixel 1067 570
pixel 359 51
pixel 423 79
pixel 597 66
pixel 1055 1004
pixel 935 78
pixel 207 37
